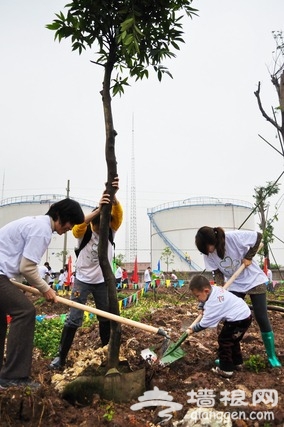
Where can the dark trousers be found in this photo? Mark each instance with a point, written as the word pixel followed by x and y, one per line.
pixel 80 293
pixel 259 305
pixel 229 339
pixel 20 338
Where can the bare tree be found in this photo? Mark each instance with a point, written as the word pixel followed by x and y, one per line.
pixel 277 79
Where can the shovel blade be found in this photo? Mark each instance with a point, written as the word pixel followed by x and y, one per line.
pixel 172 356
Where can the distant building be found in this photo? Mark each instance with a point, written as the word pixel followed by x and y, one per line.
pixel 18 207
pixel 175 224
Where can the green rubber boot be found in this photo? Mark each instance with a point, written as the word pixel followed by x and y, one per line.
pixel 268 340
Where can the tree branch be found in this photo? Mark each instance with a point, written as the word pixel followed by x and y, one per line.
pixel 266 116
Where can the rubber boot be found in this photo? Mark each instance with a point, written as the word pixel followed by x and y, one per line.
pixel 268 340
pixel 67 337
pixel 104 328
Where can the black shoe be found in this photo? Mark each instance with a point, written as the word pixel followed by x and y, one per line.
pixel 18 382
pixel 56 364
pixel 224 374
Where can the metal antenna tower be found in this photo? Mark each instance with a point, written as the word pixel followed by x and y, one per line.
pixel 133 224
pixel 127 248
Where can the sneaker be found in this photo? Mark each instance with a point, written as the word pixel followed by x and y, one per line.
pixel 18 382
pixel 56 363
pixel 224 374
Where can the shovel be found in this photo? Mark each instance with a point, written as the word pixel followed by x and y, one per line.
pixel 173 351
pixel 111 316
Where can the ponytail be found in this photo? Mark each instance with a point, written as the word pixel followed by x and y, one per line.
pixel 206 236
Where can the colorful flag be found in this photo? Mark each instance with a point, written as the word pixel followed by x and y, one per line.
pixel 135 277
pixel 265 266
pixel 159 266
pixel 69 271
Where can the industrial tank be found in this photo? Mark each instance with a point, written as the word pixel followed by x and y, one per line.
pixel 18 207
pixel 175 224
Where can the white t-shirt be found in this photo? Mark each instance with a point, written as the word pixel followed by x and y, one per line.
pixel 27 237
pixel 118 273
pixel 147 276
pixel 237 244
pixel 223 305
pixel 88 269
pixel 44 272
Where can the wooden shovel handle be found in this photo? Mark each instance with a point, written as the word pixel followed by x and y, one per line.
pixel 102 313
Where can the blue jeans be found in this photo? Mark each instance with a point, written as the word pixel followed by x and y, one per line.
pixel 80 293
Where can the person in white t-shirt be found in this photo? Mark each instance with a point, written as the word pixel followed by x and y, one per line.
pixel 89 277
pixel 118 277
pixel 51 274
pixel 224 252
pixel 147 278
pixel 44 272
pixel 270 281
pixel 219 304
pixel 23 242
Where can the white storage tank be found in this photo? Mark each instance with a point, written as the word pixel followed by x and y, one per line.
pixel 175 224
pixel 18 207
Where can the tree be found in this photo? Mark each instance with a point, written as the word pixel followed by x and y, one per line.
pixel 119 260
pixel 277 79
pixel 130 37
pixel 262 194
pixel 167 256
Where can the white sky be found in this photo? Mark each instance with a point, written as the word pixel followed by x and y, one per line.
pixel 195 135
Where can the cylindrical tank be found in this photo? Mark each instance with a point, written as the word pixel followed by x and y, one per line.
pixel 174 225
pixel 18 207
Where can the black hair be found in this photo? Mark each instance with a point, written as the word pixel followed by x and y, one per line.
pixel 199 283
pixel 206 236
pixel 66 210
pixel 96 221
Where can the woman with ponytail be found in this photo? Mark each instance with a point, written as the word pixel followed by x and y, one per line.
pixel 224 252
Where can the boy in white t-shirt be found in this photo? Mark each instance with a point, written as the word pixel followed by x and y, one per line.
pixel 219 304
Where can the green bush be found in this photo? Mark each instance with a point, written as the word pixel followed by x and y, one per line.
pixel 48 333
pixel 255 363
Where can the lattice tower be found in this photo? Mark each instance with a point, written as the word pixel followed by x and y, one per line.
pixel 133 221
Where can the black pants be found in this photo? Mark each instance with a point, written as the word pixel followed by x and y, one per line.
pixel 21 331
pixel 259 305
pixel 229 339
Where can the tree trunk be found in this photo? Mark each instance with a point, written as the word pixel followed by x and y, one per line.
pixel 114 344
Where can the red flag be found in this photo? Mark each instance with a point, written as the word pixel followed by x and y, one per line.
pixel 135 277
pixel 69 271
pixel 265 266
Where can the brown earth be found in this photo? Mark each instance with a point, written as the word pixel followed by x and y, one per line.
pixel 46 407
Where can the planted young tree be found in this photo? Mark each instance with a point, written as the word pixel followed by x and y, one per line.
pixel 262 195
pixel 168 257
pixel 130 37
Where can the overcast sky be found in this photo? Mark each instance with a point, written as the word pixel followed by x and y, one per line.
pixel 195 135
